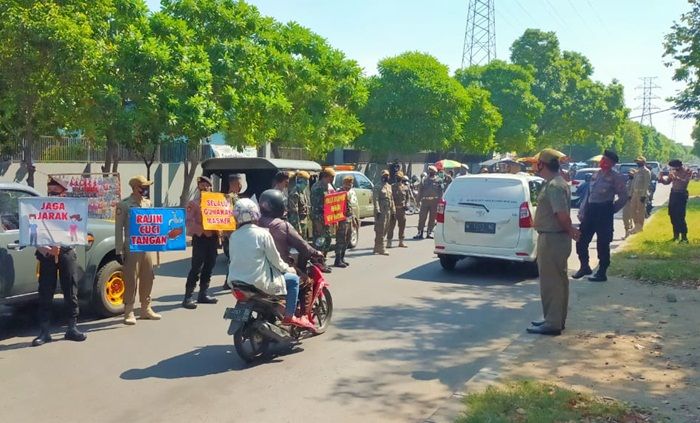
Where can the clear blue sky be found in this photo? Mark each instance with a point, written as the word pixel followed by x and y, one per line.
pixel 622 38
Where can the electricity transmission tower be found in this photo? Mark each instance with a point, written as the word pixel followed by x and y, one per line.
pixel 648 86
pixel 480 34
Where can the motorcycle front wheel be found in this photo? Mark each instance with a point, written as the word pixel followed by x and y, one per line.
pixel 322 311
pixel 250 344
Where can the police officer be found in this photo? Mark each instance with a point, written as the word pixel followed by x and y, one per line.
pixel 597 214
pixel 429 194
pixel 298 204
pixel 321 231
pixel 344 230
pixel 137 265
pixel 64 261
pixel 401 193
pixel 678 201
pixel 204 249
pixel 639 193
pixel 383 210
pixel 553 224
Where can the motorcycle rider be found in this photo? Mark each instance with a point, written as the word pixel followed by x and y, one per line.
pixel 260 264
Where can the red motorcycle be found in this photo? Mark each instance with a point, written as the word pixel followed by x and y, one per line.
pixel 256 320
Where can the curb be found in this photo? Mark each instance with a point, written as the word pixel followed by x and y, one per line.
pixel 453 406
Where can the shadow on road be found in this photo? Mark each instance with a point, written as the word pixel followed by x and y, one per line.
pixel 179 268
pixel 470 272
pixel 202 361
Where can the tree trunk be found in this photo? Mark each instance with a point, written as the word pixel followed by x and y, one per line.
pixel 28 144
pixel 111 155
pixel 190 168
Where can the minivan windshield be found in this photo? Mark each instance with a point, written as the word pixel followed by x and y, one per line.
pixel 490 192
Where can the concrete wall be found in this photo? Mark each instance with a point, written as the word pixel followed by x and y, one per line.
pixel 168 177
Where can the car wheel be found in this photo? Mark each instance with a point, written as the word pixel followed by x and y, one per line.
pixel 108 294
pixel 448 262
pixel 531 269
pixel 354 234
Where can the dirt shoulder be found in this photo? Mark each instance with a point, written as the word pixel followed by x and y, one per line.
pixel 624 340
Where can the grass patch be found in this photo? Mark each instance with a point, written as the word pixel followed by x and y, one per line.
pixel 537 402
pixel 694 188
pixel 649 256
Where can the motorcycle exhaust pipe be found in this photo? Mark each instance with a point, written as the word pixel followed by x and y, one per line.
pixel 272 332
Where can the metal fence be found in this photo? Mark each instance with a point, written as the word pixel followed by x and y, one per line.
pixel 67 149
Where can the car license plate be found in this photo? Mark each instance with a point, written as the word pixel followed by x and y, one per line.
pixel 239 314
pixel 480 227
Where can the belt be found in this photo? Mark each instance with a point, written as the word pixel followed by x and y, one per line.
pixel 551 232
pixel 429 198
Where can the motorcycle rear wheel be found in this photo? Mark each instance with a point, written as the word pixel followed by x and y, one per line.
pixel 250 344
pixel 322 311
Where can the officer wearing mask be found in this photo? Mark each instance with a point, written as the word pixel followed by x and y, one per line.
pixel 298 204
pixel 321 231
pixel 344 230
pixel 204 249
pixel 64 261
pixel 429 194
pixel 137 265
pixel 383 210
pixel 401 193
pixel 597 213
pixel 679 178
pixel 639 193
pixel 555 232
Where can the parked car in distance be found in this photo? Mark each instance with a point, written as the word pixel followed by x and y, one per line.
pixel 488 216
pixel 578 180
pixel 101 285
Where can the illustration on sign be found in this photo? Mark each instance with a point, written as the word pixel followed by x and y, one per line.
pixel 103 192
pixel 157 229
pixel 334 206
pixel 217 213
pixel 51 221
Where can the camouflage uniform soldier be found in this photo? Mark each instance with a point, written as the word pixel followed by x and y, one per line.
pixel 321 231
pixel 400 192
pixel 429 194
pixel 344 231
pixel 298 204
pixel 383 210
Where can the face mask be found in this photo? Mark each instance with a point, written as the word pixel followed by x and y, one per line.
pixel 144 192
pixel 301 186
pixel 640 164
pixel 606 164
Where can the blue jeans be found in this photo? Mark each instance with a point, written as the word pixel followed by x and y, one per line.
pixel 292 282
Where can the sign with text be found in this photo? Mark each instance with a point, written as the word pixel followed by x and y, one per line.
pixel 217 212
pixel 157 229
pixel 102 191
pixel 53 221
pixel 334 207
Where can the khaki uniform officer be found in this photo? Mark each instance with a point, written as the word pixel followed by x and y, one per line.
pixel 429 194
pixel 401 194
pixel 638 194
pixel 553 224
pixel 138 264
pixel 383 210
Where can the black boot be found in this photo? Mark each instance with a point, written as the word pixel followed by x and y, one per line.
pixel 73 334
pixel 342 258
pixel 583 271
pixel 430 235
pixel 675 236
pixel 44 336
pixel 419 236
pixel 204 298
pixel 684 239
pixel 188 302
pixel 339 262
pixel 600 275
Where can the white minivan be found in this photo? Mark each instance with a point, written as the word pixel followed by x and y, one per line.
pixel 488 216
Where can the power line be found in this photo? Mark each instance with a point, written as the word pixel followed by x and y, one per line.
pixel 556 14
pixel 480 33
pixel 595 13
pixel 653 113
pixel 583 20
pixel 526 12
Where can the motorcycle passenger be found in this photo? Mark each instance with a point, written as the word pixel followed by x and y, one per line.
pixel 260 263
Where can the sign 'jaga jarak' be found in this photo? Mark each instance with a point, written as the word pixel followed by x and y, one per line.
pixel 217 213
pixel 334 207
pixel 53 221
pixel 157 229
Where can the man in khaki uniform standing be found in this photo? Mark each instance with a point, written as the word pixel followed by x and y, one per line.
pixel 383 210
pixel 429 194
pixel 553 224
pixel 639 193
pixel 400 192
pixel 137 264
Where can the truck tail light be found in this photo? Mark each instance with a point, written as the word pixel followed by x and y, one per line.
pixel 525 216
pixel 441 211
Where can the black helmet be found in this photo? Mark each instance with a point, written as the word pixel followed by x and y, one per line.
pixel 272 203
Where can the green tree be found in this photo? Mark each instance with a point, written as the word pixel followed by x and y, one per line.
pixel 48 50
pixel 696 140
pixel 682 50
pixel 577 110
pixel 481 124
pixel 511 92
pixel 414 105
pixel 629 142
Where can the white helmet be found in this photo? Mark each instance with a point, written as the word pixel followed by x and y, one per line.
pixel 245 211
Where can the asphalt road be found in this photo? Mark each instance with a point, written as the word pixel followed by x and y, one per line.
pixel 405 334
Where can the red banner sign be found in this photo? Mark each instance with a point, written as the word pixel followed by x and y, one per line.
pixel 334 207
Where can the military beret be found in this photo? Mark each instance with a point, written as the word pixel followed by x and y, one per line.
pixel 303 175
pixel 675 163
pixel 640 159
pixel 139 181
pixel 611 155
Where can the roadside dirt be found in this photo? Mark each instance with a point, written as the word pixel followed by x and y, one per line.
pixel 625 340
